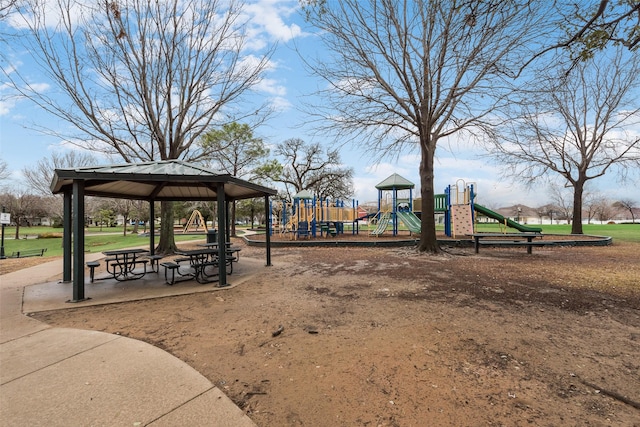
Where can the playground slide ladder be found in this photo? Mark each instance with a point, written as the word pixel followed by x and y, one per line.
pixel 383 223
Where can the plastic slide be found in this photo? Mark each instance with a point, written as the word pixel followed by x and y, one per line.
pixel 503 220
pixel 411 221
pixel 383 223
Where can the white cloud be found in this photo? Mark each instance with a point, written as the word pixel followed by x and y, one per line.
pixel 272 87
pixel 280 104
pixel 268 16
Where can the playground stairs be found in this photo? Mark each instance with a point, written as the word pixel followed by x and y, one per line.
pixel 462 220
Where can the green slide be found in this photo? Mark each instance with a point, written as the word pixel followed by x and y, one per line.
pixel 410 220
pixel 491 214
pixel 383 223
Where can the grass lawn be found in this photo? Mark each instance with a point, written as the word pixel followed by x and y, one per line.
pixel 619 232
pixel 95 240
pixel 111 237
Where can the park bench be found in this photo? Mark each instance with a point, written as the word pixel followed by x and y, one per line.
pixel 155 259
pixel 92 269
pixel 27 253
pixel 515 243
pixel 174 267
pixel 508 239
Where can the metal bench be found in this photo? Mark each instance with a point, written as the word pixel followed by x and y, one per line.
pixel 173 267
pixel 92 268
pixel 155 259
pixel 515 243
pixel 27 253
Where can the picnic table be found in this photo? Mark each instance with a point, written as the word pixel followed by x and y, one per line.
pixel 235 252
pixel 204 262
pixel 122 263
pixel 507 239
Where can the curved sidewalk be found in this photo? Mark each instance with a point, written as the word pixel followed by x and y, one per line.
pixel 60 377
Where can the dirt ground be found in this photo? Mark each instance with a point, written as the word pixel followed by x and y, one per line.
pixel 389 337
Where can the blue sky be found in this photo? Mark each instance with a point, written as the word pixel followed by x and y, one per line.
pixel 286 85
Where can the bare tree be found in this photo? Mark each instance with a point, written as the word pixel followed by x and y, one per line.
pixel 604 210
pixel 308 166
pixel 629 205
pixel 4 170
pixel 124 207
pixel 562 202
pixel 591 201
pixel 411 72
pixel 577 125
pixel 23 207
pixel 139 79
pixel 592 25
pixel 40 175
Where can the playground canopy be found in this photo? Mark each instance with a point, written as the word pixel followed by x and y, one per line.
pixel 304 195
pixel 166 180
pixel 395 182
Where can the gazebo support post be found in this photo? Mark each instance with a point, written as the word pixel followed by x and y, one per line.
pixel 268 233
pixel 152 231
pixel 78 240
pixel 66 237
pixel 222 235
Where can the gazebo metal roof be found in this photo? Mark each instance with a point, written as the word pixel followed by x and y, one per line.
pixel 172 180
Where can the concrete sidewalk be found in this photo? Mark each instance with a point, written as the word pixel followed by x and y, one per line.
pixel 61 377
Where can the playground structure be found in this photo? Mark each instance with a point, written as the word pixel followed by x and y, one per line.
pixel 308 216
pixel 194 222
pixel 457 204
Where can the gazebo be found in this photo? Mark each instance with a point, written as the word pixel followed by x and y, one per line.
pixel 167 180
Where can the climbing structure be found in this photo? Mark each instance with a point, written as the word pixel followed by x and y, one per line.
pixel 461 208
pixel 196 220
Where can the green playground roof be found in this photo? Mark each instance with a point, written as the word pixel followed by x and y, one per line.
pixel 304 195
pixel 396 182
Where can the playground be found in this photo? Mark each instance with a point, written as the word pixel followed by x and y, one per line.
pixel 389 337
pixel 386 336
pixel 396 213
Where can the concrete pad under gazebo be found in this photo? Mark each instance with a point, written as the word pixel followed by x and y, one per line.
pixel 166 180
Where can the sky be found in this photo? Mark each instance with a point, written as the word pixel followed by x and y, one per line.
pixel 287 85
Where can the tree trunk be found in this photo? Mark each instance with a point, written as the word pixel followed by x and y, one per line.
pixel 17 220
pixel 167 243
pixel 253 213
pixel 578 189
pixel 428 239
pixel 124 225
pixel 233 218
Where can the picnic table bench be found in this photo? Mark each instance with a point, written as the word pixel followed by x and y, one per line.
pixel 199 261
pixel 122 263
pixel 27 253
